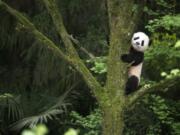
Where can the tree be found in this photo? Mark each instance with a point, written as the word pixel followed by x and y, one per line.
pixel 110 97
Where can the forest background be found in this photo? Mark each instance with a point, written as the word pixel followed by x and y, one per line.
pixel 37 87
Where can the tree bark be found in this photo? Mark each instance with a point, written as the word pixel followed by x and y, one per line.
pixel 113 121
pixel 119 13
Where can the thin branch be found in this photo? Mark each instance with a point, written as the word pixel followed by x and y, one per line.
pixel 95 86
pixel 161 86
pixel 76 42
pixel 72 58
pixel 136 15
pixel 29 26
pixel 57 18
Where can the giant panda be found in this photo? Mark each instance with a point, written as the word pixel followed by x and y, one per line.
pixel 140 43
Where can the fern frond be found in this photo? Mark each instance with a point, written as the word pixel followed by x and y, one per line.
pixel 12 104
pixel 34 120
pixel 51 113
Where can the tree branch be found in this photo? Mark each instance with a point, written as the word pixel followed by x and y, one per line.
pixel 77 62
pixel 75 41
pixel 72 58
pixel 57 18
pixel 29 26
pixel 161 86
pixel 136 15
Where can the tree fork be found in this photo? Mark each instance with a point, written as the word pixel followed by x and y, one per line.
pixel 72 58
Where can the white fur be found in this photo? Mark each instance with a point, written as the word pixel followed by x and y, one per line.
pixel 137 43
pixel 135 71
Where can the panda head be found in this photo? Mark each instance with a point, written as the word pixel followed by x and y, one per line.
pixel 140 41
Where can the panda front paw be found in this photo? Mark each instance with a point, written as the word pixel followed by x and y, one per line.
pixel 124 57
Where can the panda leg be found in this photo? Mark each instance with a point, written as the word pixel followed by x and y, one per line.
pixel 131 85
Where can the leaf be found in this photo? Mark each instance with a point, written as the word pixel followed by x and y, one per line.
pixel 177 45
pixel 163 74
pixel 43 117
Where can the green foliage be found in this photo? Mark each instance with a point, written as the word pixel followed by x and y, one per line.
pixel 173 72
pixel 71 131
pixel 177 45
pixel 165 113
pixel 59 108
pixel 161 15
pixel 156 58
pixel 95 41
pixel 163 42
pixel 161 110
pixel 88 125
pixel 140 120
pixel 34 71
pixel 99 63
pixel 167 22
pixel 163 58
pixel 40 129
pixel 176 128
pixel 35 79
pixel 158 8
pixel 10 107
pixel 153 115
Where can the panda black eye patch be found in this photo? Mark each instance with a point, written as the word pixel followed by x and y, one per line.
pixel 136 38
pixel 142 43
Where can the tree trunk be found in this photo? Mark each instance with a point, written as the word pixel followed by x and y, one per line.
pixel 113 121
pixel 119 15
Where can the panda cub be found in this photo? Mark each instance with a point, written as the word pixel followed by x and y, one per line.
pixel 140 43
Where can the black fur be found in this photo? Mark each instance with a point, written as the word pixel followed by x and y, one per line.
pixel 132 84
pixel 142 43
pixel 135 58
pixel 136 38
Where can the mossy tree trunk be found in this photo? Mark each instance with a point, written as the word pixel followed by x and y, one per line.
pixel 111 98
pixel 113 121
pixel 119 14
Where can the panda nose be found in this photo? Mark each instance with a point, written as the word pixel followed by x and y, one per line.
pixel 137 43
